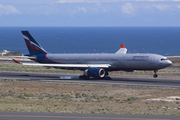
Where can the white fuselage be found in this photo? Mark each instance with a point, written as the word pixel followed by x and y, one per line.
pixel 117 61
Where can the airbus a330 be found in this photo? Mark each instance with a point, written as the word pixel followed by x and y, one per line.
pixel 94 65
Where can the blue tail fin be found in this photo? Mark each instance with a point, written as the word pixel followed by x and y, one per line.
pixel 32 45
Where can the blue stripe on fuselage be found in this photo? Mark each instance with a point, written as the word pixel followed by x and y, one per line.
pixel 41 58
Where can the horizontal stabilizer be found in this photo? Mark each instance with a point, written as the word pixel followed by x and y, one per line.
pixel 122 50
pixel 71 65
pixel 16 61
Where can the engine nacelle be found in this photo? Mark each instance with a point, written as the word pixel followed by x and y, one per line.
pixel 95 72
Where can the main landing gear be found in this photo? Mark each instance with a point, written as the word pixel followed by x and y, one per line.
pixel 84 77
pixel 155 75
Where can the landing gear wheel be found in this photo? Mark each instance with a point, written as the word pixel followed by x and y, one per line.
pixel 80 77
pixel 155 75
pixel 84 77
pixel 106 73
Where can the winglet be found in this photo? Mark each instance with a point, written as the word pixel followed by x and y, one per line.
pixel 16 61
pixel 122 46
pixel 122 50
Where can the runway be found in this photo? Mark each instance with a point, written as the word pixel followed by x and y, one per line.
pixel 76 116
pixel 150 82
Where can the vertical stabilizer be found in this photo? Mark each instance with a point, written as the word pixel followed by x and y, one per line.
pixel 32 45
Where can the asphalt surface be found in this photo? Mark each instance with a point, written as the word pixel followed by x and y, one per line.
pixel 150 82
pixel 75 116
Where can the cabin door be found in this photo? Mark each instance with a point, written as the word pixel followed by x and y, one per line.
pixel 152 62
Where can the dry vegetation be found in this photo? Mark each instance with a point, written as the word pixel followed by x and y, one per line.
pixel 85 98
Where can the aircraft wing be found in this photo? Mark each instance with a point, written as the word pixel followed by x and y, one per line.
pixel 71 65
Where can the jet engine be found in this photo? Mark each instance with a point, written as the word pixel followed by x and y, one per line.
pixel 95 72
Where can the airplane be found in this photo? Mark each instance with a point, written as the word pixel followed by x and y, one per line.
pixel 94 65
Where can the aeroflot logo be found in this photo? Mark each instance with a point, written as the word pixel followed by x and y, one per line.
pixel 140 57
pixel 33 45
pixel 25 37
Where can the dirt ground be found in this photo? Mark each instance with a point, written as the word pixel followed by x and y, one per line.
pixel 87 98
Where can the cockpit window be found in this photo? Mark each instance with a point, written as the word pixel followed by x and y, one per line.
pixel 162 59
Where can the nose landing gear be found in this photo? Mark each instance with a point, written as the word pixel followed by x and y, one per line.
pixel 155 75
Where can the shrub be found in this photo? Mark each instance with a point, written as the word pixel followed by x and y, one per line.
pixel 88 99
pixel 49 96
pixel 40 97
pixel 21 97
pixel 133 99
pixel 92 112
pixel 78 95
pixel 84 95
pixel 29 95
pixel 66 97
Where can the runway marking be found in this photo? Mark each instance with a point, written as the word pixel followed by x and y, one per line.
pixel 81 117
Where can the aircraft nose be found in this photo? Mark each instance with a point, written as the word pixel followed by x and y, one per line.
pixel 168 63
